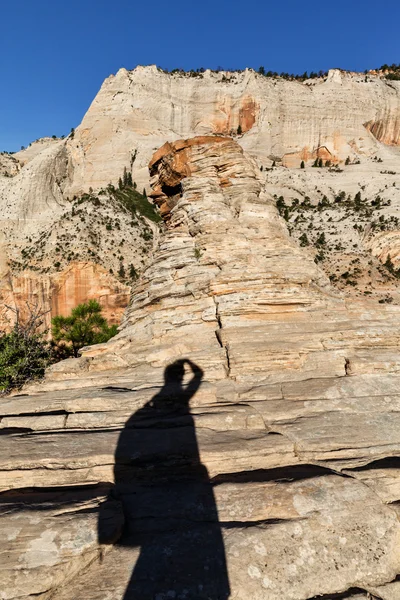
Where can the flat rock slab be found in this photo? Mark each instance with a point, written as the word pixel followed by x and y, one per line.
pixel 331 535
pixel 48 537
pixel 83 458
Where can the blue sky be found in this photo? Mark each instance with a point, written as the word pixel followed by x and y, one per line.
pixel 54 55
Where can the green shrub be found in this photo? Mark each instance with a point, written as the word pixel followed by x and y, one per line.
pixel 132 273
pixel 24 353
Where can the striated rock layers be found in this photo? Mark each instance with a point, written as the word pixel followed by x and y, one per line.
pixel 135 112
pixel 281 482
pixel 59 293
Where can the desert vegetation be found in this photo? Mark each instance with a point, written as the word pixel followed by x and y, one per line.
pixel 26 351
pixel 113 227
pixel 336 229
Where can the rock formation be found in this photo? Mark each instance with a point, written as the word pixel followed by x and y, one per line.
pixel 296 441
pixel 9 165
pixel 135 112
pixel 60 292
pixel 76 255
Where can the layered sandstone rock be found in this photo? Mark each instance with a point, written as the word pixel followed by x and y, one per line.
pixel 135 112
pixel 92 250
pixel 347 219
pixel 294 420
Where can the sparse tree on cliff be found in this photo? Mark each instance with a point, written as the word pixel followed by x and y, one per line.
pixel 239 129
pixel 86 326
pixel 302 165
pixel 303 239
pixel 132 273
pixel 121 271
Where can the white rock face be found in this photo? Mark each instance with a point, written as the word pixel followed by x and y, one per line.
pixel 296 416
pixel 135 112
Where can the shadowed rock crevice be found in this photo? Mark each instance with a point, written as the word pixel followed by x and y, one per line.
pixel 355 593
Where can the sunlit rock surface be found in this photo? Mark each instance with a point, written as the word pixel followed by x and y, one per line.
pixel 136 111
pixel 334 117
pixel 59 293
pixel 287 458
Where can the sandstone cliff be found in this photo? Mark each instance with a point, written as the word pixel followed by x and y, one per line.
pixel 58 293
pixel 135 112
pixel 295 417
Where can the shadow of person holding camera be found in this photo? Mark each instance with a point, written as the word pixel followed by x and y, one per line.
pixel 168 500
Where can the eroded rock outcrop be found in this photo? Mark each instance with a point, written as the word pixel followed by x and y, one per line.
pixel 341 115
pixel 295 417
pixel 136 111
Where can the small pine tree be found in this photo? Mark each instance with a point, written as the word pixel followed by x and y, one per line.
pixel 320 163
pixel 120 184
pixel 132 272
pixel 129 179
pixel 303 239
pixel 389 264
pixel 121 271
pixel 84 327
pixel 302 165
pixel 280 205
pixel 134 185
pixel 274 164
pixel 144 193
pixel 347 161
pixel 357 201
pixel 239 129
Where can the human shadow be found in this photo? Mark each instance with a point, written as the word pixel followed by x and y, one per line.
pixel 168 500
